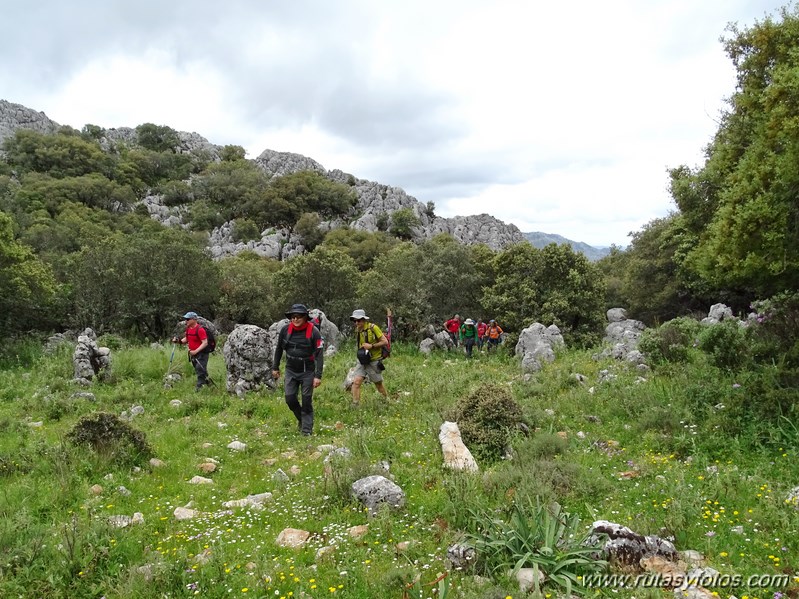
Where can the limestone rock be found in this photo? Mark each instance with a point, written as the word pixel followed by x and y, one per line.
pixel 456 455
pixel 537 345
pixel 248 354
pixel 292 538
pixel 375 491
pixel 200 480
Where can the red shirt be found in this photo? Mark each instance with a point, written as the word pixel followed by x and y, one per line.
pixel 195 336
pixel 481 329
pixel 453 325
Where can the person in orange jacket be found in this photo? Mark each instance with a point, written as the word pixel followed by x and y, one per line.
pixel 493 334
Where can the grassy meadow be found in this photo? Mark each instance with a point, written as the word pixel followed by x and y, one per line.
pixel 675 452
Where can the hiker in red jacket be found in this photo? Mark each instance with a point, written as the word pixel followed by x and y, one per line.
pixel 197 339
pixel 304 363
pixel 453 326
pixel 481 333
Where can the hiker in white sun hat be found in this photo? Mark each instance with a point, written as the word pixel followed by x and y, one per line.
pixel 370 340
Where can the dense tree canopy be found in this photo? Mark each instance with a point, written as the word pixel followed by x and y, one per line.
pixel 742 204
pixel 27 286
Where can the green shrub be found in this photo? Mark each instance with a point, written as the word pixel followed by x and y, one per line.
pixel 670 342
pixel 245 230
pixel 537 536
pixel 111 438
pixel 486 418
pixel 726 345
pixel 775 330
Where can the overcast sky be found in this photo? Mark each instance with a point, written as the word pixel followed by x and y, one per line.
pixel 557 117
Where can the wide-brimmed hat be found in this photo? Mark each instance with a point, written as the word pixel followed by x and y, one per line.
pixel 468 321
pixel 358 315
pixel 190 315
pixel 297 309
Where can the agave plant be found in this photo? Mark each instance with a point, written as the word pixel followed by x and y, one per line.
pixel 543 537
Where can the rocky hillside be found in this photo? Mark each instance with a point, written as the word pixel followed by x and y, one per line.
pixel 374 199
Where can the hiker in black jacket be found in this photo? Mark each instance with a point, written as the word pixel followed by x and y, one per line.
pixel 304 362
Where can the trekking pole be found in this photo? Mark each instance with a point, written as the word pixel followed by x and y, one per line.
pixel 171 357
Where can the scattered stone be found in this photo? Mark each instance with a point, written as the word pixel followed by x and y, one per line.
pixel 207 467
pixel 403 546
pixel 175 403
pixel 206 445
pixel 461 556
pixel 280 477
pixel 96 490
pixel 255 501
pixel 289 455
pixel 37 424
pixel 122 490
pixel 325 552
pixel 356 532
pixel 563 435
pixel 184 513
pixel 292 538
pixel 269 462
pixel 84 395
pixel 237 446
pixel 530 579
pixel 121 521
pixel 339 426
pixel 375 491
pixel 325 448
pixel 199 480
pixel 294 470
pixel 626 548
pixel 315 455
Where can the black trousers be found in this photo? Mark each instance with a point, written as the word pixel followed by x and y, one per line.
pixel 200 363
pixel 303 413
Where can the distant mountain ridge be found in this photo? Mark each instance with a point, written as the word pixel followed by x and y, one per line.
pixel 540 240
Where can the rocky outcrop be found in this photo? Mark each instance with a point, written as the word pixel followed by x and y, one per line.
pixel 89 360
pixel 16 116
pixel 375 200
pixel 622 334
pixel 189 143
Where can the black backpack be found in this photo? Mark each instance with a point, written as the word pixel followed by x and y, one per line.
pixel 211 340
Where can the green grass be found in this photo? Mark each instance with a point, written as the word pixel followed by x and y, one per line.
pixel 701 471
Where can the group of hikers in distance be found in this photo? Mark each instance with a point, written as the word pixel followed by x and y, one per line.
pixel 303 344
pixel 470 333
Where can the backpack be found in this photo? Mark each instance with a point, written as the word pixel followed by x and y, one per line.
pixel 385 351
pixel 210 335
pixel 308 335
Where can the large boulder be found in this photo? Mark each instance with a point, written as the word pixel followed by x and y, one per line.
pixel 248 354
pixel 717 313
pixel 621 334
pixel 329 331
pixel 537 345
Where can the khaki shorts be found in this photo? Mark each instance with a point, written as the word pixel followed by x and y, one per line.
pixel 369 370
